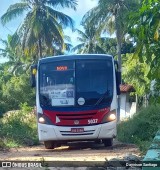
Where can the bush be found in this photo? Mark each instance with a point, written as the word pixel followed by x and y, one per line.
pixel 141 128
pixel 14 91
pixel 18 128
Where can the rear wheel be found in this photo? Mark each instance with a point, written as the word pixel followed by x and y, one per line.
pixel 49 144
pixel 108 142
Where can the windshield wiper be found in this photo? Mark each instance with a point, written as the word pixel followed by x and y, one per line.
pixel 103 96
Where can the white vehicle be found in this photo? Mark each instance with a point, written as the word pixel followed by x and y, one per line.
pixel 76 98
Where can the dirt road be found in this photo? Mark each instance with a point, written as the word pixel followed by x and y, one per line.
pixel 81 151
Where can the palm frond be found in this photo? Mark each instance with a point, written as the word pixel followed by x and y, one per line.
pixel 15 40
pixel 81 39
pixel 4 42
pixel 57 34
pixel 82 34
pixel 99 50
pixel 68 46
pixel 2 51
pixel 67 38
pixel 87 17
pixel 63 3
pixel 13 11
pixel 78 47
pixel 64 19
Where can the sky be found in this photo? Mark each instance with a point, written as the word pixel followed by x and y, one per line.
pixel 10 28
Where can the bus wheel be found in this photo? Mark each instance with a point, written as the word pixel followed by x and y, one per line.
pixel 108 142
pixel 49 144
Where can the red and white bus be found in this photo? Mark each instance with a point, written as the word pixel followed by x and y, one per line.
pixel 76 98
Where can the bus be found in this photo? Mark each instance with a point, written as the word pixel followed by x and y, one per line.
pixel 76 98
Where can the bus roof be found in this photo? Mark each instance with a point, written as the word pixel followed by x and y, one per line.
pixel 75 57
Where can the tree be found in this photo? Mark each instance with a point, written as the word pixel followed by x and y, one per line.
pixel 18 61
pixel 17 90
pixel 14 89
pixel 144 29
pixel 133 67
pixel 89 41
pixel 111 16
pixel 43 25
pixel 109 45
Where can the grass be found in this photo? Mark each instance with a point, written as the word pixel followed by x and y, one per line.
pixel 18 128
pixel 141 128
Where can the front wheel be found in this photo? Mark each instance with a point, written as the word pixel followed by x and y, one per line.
pixel 108 142
pixel 49 144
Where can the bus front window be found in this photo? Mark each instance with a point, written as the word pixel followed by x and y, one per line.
pixel 94 78
pixel 76 83
pixel 57 84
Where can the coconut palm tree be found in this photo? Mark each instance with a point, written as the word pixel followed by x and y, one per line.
pixel 12 51
pixel 43 24
pixel 89 41
pixel 111 16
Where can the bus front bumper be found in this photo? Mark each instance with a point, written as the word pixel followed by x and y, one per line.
pixel 64 133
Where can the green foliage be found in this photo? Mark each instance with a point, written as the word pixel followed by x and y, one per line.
pixel 14 89
pixel 109 45
pixel 17 90
pixel 25 108
pixel 135 73
pixel 18 128
pixel 2 144
pixel 141 128
pixel 155 93
pixel 144 27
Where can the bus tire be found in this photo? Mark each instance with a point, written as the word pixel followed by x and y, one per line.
pixel 108 142
pixel 49 144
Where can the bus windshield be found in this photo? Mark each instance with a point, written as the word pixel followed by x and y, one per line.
pixel 76 83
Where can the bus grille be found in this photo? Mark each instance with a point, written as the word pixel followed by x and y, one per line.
pixel 68 133
pixel 76 116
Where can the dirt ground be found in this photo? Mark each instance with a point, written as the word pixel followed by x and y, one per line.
pixel 75 151
pixel 72 153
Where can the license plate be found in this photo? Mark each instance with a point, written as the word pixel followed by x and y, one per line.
pixel 77 130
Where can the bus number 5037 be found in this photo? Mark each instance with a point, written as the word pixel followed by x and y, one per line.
pixel 92 121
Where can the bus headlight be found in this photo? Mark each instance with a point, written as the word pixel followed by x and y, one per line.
pixel 42 118
pixel 111 116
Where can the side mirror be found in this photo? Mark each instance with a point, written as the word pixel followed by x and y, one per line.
pixel 118 77
pixel 33 75
pixel 118 82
